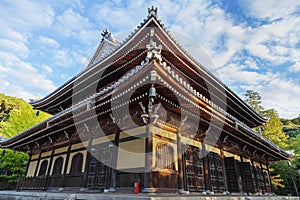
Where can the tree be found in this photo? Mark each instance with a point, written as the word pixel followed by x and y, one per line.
pixel 254 100
pixel 273 129
pixel 17 115
pixel 12 164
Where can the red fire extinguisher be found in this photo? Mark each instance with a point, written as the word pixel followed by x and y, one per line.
pixel 136 187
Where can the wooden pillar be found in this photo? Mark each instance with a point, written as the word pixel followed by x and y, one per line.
pixel 87 164
pixel 38 163
pixel 271 186
pixel 242 173
pixel 27 166
pixel 262 172
pixel 206 169
pixel 49 168
pixel 255 181
pixel 113 162
pixel 242 185
pixel 181 185
pixel 66 164
pixel 148 176
pixel 224 169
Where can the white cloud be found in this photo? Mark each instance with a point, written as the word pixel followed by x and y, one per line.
pixel 17 48
pixel 24 15
pixel 71 23
pixel 20 78
pixel 295 67
pixel 48 69
pixel 49 42
pixel 283 95
pixel 246 54
pixel 238 74
pixel 269 9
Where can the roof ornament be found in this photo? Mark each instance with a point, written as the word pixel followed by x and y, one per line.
pixel 108 35
pixel 152 11
pixel 153 51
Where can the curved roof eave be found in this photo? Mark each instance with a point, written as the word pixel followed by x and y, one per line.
pixel 87 70
pixel 193 61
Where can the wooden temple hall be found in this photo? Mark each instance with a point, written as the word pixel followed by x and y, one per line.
pixel 145 111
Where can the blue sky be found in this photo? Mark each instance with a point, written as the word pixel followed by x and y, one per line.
pixel 254 44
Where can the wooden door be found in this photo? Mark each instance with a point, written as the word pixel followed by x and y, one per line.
pixel 194 170
pixel 216 173
pixel 231 174
pixel 98 169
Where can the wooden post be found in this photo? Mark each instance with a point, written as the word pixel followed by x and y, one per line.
pixel 66 164
pixel 87 164
pixel 271 186
pixel 49 168
pixel 224 169
pixel 181 187
pixel 148 176
pixel 27 166
pixel 206 168
pixel 254 175
pixel 38 163
pixel 113 164
pixel 242 172
pixel 262 172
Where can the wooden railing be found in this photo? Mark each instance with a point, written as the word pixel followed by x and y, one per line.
pixel 32 183
pixel 43 182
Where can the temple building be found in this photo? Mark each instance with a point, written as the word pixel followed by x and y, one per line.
pixel 145 111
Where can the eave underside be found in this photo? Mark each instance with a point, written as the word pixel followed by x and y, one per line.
pixel 233 137
pixel 132 52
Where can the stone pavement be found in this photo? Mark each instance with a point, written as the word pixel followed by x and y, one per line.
pixel 37 195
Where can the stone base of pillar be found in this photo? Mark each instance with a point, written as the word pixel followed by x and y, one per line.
pixel 182 191
pixel 149 190
pixel 110 190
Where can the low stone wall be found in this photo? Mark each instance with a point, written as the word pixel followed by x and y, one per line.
pixel 13 195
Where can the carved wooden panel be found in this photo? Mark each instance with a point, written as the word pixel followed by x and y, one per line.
pixel 260 179
pixel 97 177
pixel 231 174
pixel 247 178
pixel 216 172
pixel 194 169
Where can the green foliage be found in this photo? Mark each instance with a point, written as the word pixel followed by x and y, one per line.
pixel 17 115
pixel 273 129
pixel 291 126
pixel 254 100
pixel 287 174
pixel 12 165
pixel 284 133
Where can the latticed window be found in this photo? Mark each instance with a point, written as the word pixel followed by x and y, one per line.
pixel 57 168
pixel 164 156
pixel 76 166
pixel 43 168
